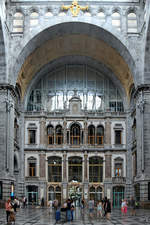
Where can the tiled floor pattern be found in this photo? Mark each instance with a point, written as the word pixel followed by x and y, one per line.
pixel 38 216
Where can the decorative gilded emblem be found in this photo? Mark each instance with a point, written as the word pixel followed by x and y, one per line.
pixel 75 8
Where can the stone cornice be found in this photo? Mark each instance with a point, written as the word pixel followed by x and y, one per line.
pixel 142 87
pixel 8 87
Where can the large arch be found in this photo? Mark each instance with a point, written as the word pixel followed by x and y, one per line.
pixel 147 55
pixel 71 39
pixel 2 56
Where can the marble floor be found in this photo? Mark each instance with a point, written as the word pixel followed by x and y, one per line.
pixel 42 216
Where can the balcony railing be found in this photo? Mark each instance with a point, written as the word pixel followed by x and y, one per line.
pixel 118 180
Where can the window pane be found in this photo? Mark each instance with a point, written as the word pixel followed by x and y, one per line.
pixel 132 15
pixel 34 22
pixel 18 14
pixel 132 23
pixel 34 14
pixel 117 137
pixel 18 30
pixel 1 190
pixel 101 15
pixel 114 15
pixel 18 23
pixel 32 136
pixel 48 14
pixel 116 23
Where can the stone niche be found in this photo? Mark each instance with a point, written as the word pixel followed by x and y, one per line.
pixel 75 106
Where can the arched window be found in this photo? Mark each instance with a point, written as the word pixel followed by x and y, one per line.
pixel 75 134
pixel 100 135
pixel 35 101
pixel 92 193
pixel 18 22
pixel 50 134
pixel 54 169
pixel 99 193
pixel 116 20
pixel 15 164
pixel 59 135
pixel 16 130
pixel 58 193
pixel 57 88
pixel 91 135
pixel 134 131
pixel 75 169
pixel 34 19
pixel 32 166
pixel 95 169
pixel 48 15
pixel 132 22
pixel 62 14
pixel 101 16
pixel 87 14
pixel 51 193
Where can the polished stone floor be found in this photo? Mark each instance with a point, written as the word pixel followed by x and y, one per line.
pixel 42 216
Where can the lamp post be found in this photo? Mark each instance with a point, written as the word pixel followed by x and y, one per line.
pixel 12 190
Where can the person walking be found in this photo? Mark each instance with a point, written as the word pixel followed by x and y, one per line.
pixel 105 206
pixel 8 208
pixel 69 210
pixel 124 207
pixel 108 209
pixel 99 210
pixel 91 208
pixel 133 206
pixel 72 212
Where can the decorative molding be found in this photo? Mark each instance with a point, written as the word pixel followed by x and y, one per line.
pixel 75 8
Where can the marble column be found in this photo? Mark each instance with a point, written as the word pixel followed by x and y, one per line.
pixel 108 166
pixel 43 131
pixel 64 181
pixel 64 167
pixel 85 167
pixel 65 132
pixel 42 165
pixel 107 132
pixel 85 133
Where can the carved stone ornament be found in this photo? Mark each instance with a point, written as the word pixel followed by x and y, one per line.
pixel 75 8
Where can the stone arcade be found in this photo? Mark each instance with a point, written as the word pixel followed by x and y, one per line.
pixel 75 100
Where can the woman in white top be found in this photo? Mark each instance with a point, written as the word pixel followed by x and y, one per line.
pixel 99 210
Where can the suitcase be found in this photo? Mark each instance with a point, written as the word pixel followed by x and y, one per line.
pixel 57 215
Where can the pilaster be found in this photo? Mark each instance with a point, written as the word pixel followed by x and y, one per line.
pixel 107 132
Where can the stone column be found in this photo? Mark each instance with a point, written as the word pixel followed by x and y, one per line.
pixel 85 167
pixel 42 165
pixel 85 133
pixel 7 107
pixel 108 166
pixel 107 132
pixel 43 131
pixel 65 132
pixel 64 167
pixel 108 180
pixel 143 141
pixel 64 181
pixel 86 180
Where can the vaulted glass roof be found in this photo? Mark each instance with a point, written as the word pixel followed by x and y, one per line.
pixel 53 91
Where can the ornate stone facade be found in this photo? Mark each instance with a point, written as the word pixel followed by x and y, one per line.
pixel 106 41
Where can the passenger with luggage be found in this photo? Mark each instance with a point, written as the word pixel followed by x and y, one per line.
pixel 72 212
pixel 69 210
